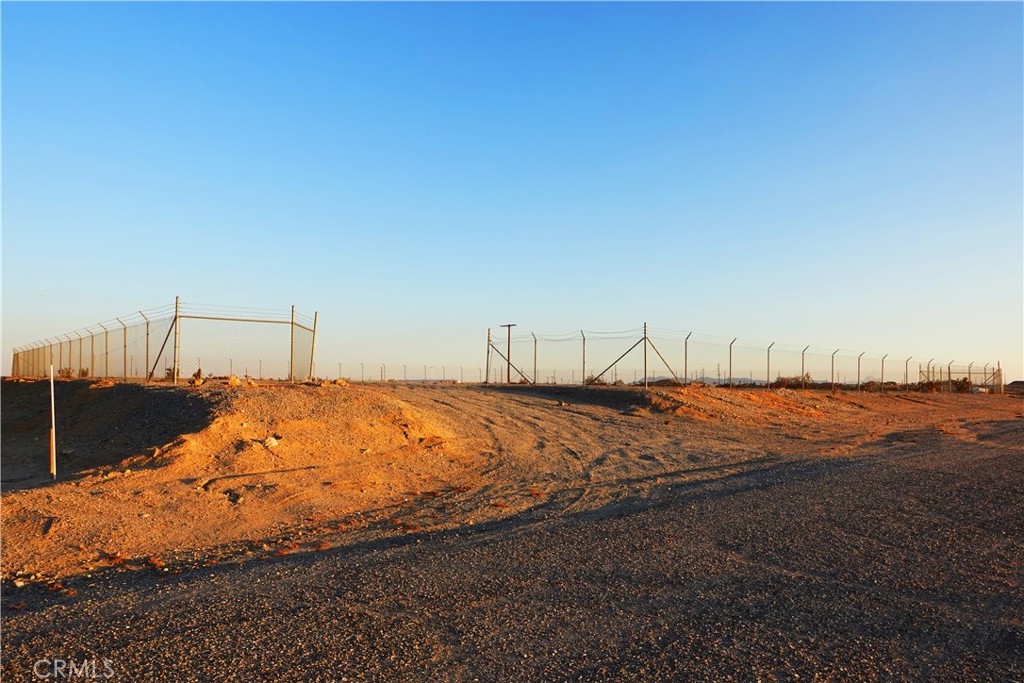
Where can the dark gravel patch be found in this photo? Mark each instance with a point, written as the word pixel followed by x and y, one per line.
pixel 902 565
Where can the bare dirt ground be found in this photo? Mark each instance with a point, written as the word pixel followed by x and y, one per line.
pixel 157 482
pixel 158 475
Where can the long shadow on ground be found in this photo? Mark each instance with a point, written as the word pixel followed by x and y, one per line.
pixel 97 426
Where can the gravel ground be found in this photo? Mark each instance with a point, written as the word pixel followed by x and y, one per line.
pixel 903 563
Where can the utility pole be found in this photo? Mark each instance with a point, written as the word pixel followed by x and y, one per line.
pixel 508 356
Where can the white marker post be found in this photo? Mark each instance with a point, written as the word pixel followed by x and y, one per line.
pixel 53 430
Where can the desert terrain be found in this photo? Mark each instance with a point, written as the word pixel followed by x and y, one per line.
pixel 397 531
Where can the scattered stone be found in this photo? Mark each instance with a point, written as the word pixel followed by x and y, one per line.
pixel 234 381
pixel 270 442
pixel 67 451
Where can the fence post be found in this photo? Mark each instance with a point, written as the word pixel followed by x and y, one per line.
pixel 881 383
pixel 768 372
pixel 124 349
pixel 312 346
pixel 645 356
pixel 106 350
pixel 147 343
pixel 70 344
pixel 858 368
pixel 487 376
pixel 80 352
pixel 534 358
pixel 177 339
pixel 834 370
pixel 949 376
pixel 730 361
pixel 906 375
pixel 970 379
pixel 686 358
pixel 291 353
pixel 583 379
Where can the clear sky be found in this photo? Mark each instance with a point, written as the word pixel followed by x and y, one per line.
pixel 829 174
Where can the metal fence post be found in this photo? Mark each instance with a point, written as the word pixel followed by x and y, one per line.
pixel 534 358
pixel 730 361
pixel 803 371
pixel 970 379
pixel 584 378
pixel 177 339
pixel 312 346
pixel 487 377
pixel 106 350
pixel 906 375
pixel 768 371
pixel 645 355
pixel 80 353
pixel 949 376
pixel 881 384
pixel 291 356
pixel 147 343
pixel 686 358
pixel 834 370
pixel 124 349
pixel 858 368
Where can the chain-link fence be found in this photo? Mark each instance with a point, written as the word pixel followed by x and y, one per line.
pixel 646 355
pixel 178 341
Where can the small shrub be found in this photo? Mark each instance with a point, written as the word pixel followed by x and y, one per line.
pixel 791 382
pixel 65 373
pixel 84 372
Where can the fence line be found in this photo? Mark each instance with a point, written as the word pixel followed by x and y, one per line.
pixel 136 346
pixel 653 355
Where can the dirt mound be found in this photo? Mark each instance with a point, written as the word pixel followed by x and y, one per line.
pixel 99 424
pixel 307 426
pixel 703 402
pixel 151 472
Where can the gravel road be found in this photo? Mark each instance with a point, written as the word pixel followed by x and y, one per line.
pixel 902 562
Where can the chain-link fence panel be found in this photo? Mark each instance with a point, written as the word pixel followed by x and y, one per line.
pixel 192 339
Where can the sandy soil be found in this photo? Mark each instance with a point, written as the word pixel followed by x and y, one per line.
pixel 161 478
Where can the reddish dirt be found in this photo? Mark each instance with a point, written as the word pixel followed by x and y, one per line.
pixel 153 477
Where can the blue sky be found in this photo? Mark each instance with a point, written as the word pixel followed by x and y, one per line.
pixel 830 174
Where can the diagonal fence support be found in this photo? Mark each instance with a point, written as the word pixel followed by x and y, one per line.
pixel 670 370
pixel 616 361
pixel 512 366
